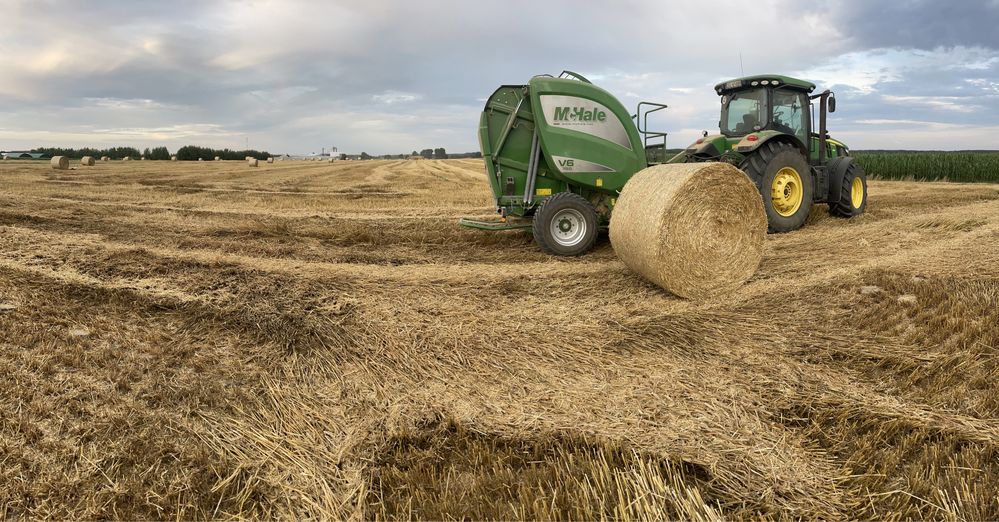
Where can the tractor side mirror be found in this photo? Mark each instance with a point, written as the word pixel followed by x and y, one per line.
pixel 832 104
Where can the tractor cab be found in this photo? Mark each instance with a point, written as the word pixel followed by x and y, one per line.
pixel 761 103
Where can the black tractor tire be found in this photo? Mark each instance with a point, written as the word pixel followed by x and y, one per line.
pixel 763 165
pixel 843 205
pixel 565 225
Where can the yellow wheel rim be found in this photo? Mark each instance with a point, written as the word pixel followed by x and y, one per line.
pixel 786 191
pixel 857 192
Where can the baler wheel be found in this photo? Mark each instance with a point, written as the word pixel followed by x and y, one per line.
pixel 565 225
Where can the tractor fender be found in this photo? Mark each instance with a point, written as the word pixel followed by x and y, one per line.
pixel 836 171
pixel 708 147
pixel 755 140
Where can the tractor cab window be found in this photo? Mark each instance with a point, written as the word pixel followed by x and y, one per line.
pixel 791 114
pixel 744 112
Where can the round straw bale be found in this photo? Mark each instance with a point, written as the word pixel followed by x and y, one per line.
pixel 252 162
pixel 60 162
pixel 270 160
pixel 695 229
pixel 105 158
pixel 142 158
pixel 87 161
pixel 218 158
pixel 173 158
pixel 127 158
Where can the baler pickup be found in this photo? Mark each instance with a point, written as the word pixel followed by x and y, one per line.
pixel 495 225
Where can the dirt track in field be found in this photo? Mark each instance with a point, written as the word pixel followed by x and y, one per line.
pixel 201 340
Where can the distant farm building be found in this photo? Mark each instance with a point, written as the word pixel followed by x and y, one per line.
pixel 14 154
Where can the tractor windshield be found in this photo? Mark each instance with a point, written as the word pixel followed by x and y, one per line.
pixel 744 112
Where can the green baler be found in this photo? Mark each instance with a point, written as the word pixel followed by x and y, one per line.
pixel 559 150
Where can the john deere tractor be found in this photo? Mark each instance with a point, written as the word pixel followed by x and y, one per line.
pixel 558 151
pixel 769 132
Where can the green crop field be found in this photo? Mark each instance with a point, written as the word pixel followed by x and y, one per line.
pixel 976 166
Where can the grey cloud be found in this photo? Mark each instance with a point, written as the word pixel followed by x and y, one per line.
pixel 301 74
pixel 920 24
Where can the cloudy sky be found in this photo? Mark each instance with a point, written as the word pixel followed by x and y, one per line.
pixel 390 76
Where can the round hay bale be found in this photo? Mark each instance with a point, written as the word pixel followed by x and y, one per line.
pixel 127 158
pixel 105 158
pixel 252 162
pixel 199 159
pixel 218 158
pixel 270 160
pixel 173 158
pixel 142 158
pixel 60 163
pixel 695 229
pixel 88 161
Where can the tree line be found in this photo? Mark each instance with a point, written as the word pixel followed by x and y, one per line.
pixel 186 153
pixel 113 152
pixel 193 152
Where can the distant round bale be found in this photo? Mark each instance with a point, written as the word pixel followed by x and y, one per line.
pixel 218 158
pixel 105 158
pixel 87 161
pixel 142 158
pixel 173 158
pixel 199 159
pixel 252 162
pixel 127 158
pixel 270 160
pixel 695 229
pixel 60 162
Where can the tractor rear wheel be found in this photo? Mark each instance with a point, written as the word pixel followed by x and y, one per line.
pixel 565 225
pixel 785 181
pixel 852 200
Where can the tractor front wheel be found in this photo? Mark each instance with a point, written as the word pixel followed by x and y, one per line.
pixel 852 197
pixel 785 181
pixel 565 225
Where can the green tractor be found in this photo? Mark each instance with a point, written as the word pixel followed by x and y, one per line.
pixel 558 151
pixel 768 131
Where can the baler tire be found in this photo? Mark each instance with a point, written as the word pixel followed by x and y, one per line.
pixel 568 207
pixel 845 206
pixel 763 165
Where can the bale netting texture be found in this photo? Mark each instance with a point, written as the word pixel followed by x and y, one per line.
pixel 87 161
pixel 695 229
pixel 60 162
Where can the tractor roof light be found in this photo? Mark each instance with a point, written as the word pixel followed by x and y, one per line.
pixel 755 84
pixel 765 82
pixel 752 137
pixel 774 82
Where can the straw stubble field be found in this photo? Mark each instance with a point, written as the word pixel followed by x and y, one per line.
pixel 195 340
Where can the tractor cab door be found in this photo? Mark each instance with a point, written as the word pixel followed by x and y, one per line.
pixel 791 114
